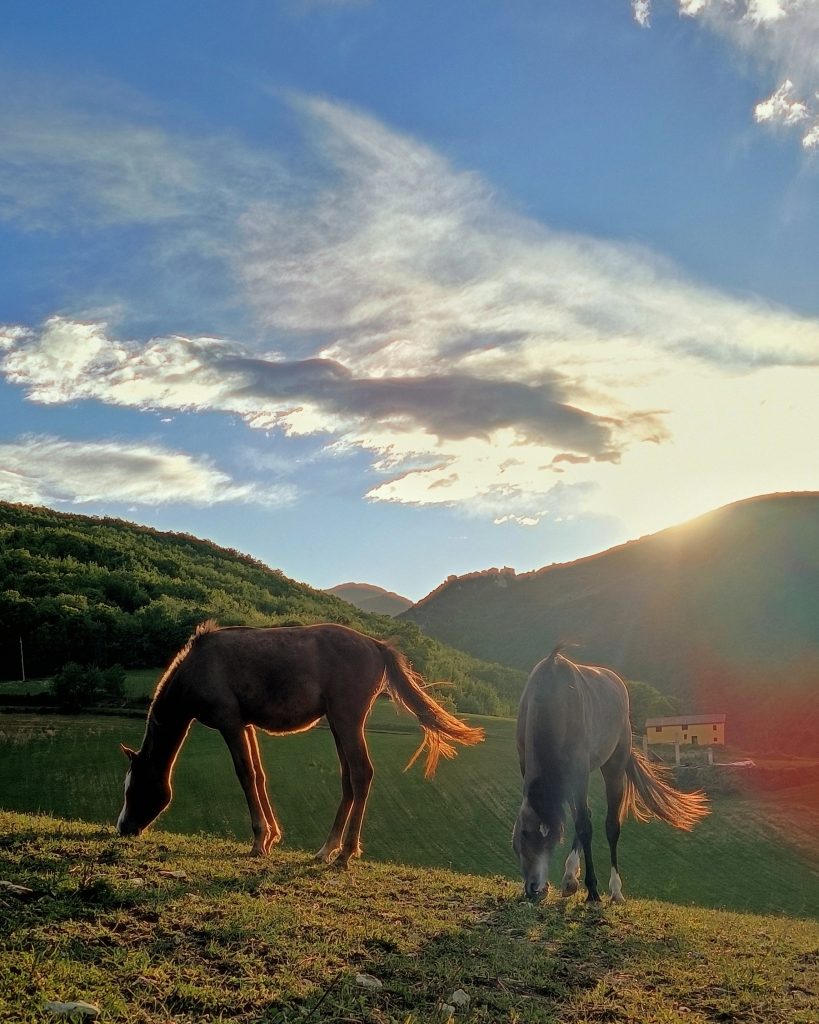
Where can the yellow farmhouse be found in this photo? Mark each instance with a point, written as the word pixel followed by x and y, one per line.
pixel 695 730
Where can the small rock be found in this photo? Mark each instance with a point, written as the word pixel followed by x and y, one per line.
pixel 459 998
pixel 74 1009
pixel 167 873
pixel 447 1011
pixel 368 981
pixel 22 892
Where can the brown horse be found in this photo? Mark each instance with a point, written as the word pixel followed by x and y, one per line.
pixel 281 680
pixel 573 719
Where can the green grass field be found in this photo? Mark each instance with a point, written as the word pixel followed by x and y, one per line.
pixel 191 930
pixel 71 767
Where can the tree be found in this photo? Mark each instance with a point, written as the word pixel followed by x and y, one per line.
pixel 76 687
pixel 647 702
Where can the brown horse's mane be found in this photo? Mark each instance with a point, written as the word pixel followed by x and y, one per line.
pixel 208 626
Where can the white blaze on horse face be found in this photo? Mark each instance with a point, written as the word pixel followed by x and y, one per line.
pixel 535 869
pixel 121 818
pixel 616 887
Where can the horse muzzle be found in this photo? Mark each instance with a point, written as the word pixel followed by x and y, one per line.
pixel 128 829
pixel 534 892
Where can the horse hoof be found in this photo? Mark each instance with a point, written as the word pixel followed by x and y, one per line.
pixel 569 887
pixel 344 858
pixel 593 897
pixel 618 897
pixel 274 841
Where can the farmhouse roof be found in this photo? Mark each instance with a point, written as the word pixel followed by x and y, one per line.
pixel 687 720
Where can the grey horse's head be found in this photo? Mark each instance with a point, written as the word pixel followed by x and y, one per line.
pixel 529 841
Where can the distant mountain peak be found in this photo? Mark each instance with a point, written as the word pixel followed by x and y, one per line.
pixel 370 598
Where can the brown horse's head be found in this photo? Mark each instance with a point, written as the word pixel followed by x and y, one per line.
pixel 147 794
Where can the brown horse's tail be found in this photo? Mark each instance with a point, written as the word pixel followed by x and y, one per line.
pixel 406 687
pixel 650 795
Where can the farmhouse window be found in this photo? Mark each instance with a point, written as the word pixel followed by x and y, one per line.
pixel 658 728
pixel 714 728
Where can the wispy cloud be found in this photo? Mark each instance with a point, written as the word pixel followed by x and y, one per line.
pixel 52 470
pixel 782 37
pixel 64 167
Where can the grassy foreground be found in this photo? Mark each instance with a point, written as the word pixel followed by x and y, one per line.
pixel 180 928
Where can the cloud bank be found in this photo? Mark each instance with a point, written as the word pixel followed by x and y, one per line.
pixel 782 38
pixel 481 360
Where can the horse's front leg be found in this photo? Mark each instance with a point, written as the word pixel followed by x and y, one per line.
pixel 240 750
pixel 583 832
pixel 274 834
pixel 570 882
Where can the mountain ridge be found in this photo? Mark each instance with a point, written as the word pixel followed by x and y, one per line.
pixel 709 611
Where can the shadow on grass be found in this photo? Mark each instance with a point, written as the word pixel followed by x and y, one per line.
pixel 165 927
pixel 519 963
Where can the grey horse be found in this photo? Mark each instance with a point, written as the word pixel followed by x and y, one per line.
pixel 573 719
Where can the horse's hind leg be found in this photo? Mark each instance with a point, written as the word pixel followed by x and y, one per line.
pixel 615 779
pixel 332 843
pixel 240 750
pixel 354 746
pixel 274 834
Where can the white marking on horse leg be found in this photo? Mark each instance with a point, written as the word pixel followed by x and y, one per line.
pixel 616 887
pixel 121 818
pixel 571 874
pixel 327 853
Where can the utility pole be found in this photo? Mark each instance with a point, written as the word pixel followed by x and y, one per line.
pixel 22 660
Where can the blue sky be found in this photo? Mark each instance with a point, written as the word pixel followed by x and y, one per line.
pixel 387 291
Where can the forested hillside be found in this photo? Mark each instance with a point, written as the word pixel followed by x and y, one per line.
pixel 721 613
pixel 104 591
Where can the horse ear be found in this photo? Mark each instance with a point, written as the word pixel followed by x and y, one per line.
pixel 130 754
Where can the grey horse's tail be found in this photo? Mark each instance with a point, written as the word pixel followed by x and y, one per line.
pixel 407 688
pixel 650 795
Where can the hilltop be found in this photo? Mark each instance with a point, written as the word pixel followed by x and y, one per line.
pixel 370 598
pixel 190 929
pixel 722 613
pixel 104 591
